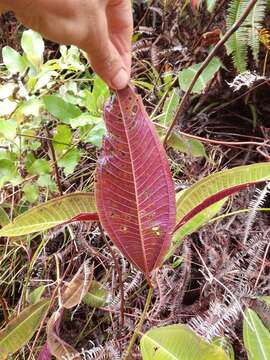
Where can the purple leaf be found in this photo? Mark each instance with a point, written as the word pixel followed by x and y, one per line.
pixel 135 195
pixel 45 353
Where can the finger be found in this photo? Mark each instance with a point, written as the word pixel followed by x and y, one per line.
pixel 120 24
pixel 104 56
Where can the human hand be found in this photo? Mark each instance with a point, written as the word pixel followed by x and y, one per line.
pixel 102 28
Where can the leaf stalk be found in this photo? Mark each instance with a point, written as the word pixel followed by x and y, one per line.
pixel 140 323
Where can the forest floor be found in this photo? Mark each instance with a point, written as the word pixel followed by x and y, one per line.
pixel 234 128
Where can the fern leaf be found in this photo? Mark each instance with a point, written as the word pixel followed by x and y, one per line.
pixel 237 45
pixel 255 20
pixel 247 34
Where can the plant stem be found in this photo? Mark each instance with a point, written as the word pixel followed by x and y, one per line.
pixel 55 166
pixel 222 41
pixel 140 323
pixel 265 62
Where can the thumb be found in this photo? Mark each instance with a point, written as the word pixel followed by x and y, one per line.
pixel 104 57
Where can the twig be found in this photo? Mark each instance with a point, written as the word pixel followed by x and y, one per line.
pixel 238 97
pixel 55 166
pixel 218 142
pixel 5 309
pixel 222 41
pixel 140 324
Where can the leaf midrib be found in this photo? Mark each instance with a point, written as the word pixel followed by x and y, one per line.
pixel 136 191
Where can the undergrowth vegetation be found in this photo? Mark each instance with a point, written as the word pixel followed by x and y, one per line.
pixel 135 225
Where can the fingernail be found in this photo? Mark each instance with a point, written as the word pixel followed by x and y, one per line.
pixel 120 80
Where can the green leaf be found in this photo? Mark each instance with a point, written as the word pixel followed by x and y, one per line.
pixel 14 62
pixel 194 224
pixel 255 20
pixel 7 90
pixel 169 108
pixel 8 173
pixel 8 128
pixel 237 44
pixel 62 138
pixel 34 145
pixel 84 120
pixel 256 337
pixel 210 186
pixel 187 75
pixel 40 167
pixel 92 128
pixel 46 181
pixel 70 93
pixel 266 299
pixel 31 192
pixel 95 134
pixel 178 342
pixel 211 5
pixel 35 295
pixel 60 109
pixel 8 155
pixel 21 329
pixel 7 107
pixel 71 58
pixel 226 345
pixel 97 295
pixel 4 219
pixel 33 46
pixel 30 107
pixel 50 214
pixel 95 100
pixel 69 161
pixel 189 146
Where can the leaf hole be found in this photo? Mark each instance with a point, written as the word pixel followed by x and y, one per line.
pixel 156 230
pixel 134 110
pixel 123 228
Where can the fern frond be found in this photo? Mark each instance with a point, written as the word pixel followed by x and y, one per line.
pixel 245 79
pixel 237 45
pixel 247 34
pixel 255 20
pixel 255 205
pixel 215 321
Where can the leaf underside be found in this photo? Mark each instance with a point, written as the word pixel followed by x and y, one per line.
pixel 62 210
pixel 135 195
